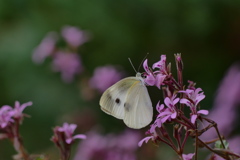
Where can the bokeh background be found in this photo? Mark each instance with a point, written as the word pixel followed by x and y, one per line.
pixel 206 33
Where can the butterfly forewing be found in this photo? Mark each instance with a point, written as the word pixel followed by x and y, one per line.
pixel 113 99
pixel 138 106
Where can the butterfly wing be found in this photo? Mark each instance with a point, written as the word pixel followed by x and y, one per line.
pixel 138 106
pixel 113 99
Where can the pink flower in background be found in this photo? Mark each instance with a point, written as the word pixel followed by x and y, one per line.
pixel 109 147
pixel 63 138
pixel 69 64
pixel 9 114
pixel 234 144
pixel 226 104
pixel 45 48
pixel 188 156
pixel 104 77
pixel 233 147
pixel 68 130
pixel 65 58
pixel 5 116
pixel 74 36
pixel 18 109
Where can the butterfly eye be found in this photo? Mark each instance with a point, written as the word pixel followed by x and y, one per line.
pixel 144 75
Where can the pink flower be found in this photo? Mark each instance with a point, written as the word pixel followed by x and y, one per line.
pixel 159 107
pixel 159 80
pixel 158 121
pixel 165 114
pixel 170 112
pixel 152 78
pixel 193 97
pixel 188 156
pixel 18 109
pixel 109 147
pixel 195 115
pixel 9 114
pixel 127 140
pixel 146 139
pixel 161 65
pixel 74 36
pixel 45 48
pixel 226 103
pixel 68 130
pixel 5 116
pixel 69 64
pixel 104 77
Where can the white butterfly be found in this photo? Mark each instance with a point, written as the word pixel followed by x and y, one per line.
pixel 128 99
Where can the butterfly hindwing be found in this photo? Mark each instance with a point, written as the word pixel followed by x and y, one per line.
pixel 113 99
pixel 138 107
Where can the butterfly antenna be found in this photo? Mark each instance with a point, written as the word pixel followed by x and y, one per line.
pixel 132 65
pixel 142 61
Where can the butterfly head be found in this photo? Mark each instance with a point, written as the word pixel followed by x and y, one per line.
pixel 139 75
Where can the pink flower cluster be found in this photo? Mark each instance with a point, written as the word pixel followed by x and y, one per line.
pixel 66 60
pixel 63 138
pixel 67 130
pixel 169 111
pixel 9 115
pixel 109 147
pixel 176 98
pixel 105 76
pixel 69 64
pixel 10 120
pixel 157 77
pixel 74 36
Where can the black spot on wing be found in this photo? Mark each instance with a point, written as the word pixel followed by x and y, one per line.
pixel 118 101
pixel 127 106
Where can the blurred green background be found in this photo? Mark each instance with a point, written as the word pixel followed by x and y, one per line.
pixel 207 33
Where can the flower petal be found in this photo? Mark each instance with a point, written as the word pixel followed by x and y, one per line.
pixel 150 80
pixel 160 64
pixel 146 139
pixel 205 112
pixel 175 101
pixel 198 90
pixel 188 156
pixel 69 140
pixel 167 101
pixel 24 105
pixel 145 65
pixel 174 115
pixel 185 101
pixel 164 119
pixel 199 98
pixel 193 118
pixel 159 80
pixel 80 136
pixel 166 112
pixel 153 126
